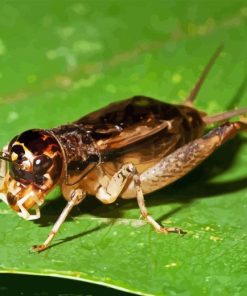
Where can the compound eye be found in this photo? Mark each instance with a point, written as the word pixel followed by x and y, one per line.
pixel 41 164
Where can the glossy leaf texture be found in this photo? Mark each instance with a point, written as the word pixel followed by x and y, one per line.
pixel 60 60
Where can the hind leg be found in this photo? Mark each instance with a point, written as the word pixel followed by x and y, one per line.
pixel 178 164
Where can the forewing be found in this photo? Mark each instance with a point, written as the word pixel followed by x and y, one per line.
pixel 130 136
pixel 126 123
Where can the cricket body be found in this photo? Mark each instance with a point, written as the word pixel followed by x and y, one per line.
pixel 127 149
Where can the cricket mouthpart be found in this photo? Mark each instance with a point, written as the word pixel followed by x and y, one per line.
pixel 22 199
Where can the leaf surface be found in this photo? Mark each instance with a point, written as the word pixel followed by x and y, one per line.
pixel 60 60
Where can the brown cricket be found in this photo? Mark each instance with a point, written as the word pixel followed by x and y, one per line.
pixel 127 149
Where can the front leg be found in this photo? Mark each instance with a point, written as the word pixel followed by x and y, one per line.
pixel 77 196
pixel 108 194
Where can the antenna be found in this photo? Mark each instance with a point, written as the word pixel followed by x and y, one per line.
pixel 190 99
pixel 5 156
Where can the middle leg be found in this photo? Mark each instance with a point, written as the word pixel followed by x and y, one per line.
pixel 108 194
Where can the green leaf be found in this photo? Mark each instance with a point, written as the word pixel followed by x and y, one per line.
pixel 60 60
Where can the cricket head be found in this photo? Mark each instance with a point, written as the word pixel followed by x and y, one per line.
pixel 35 162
